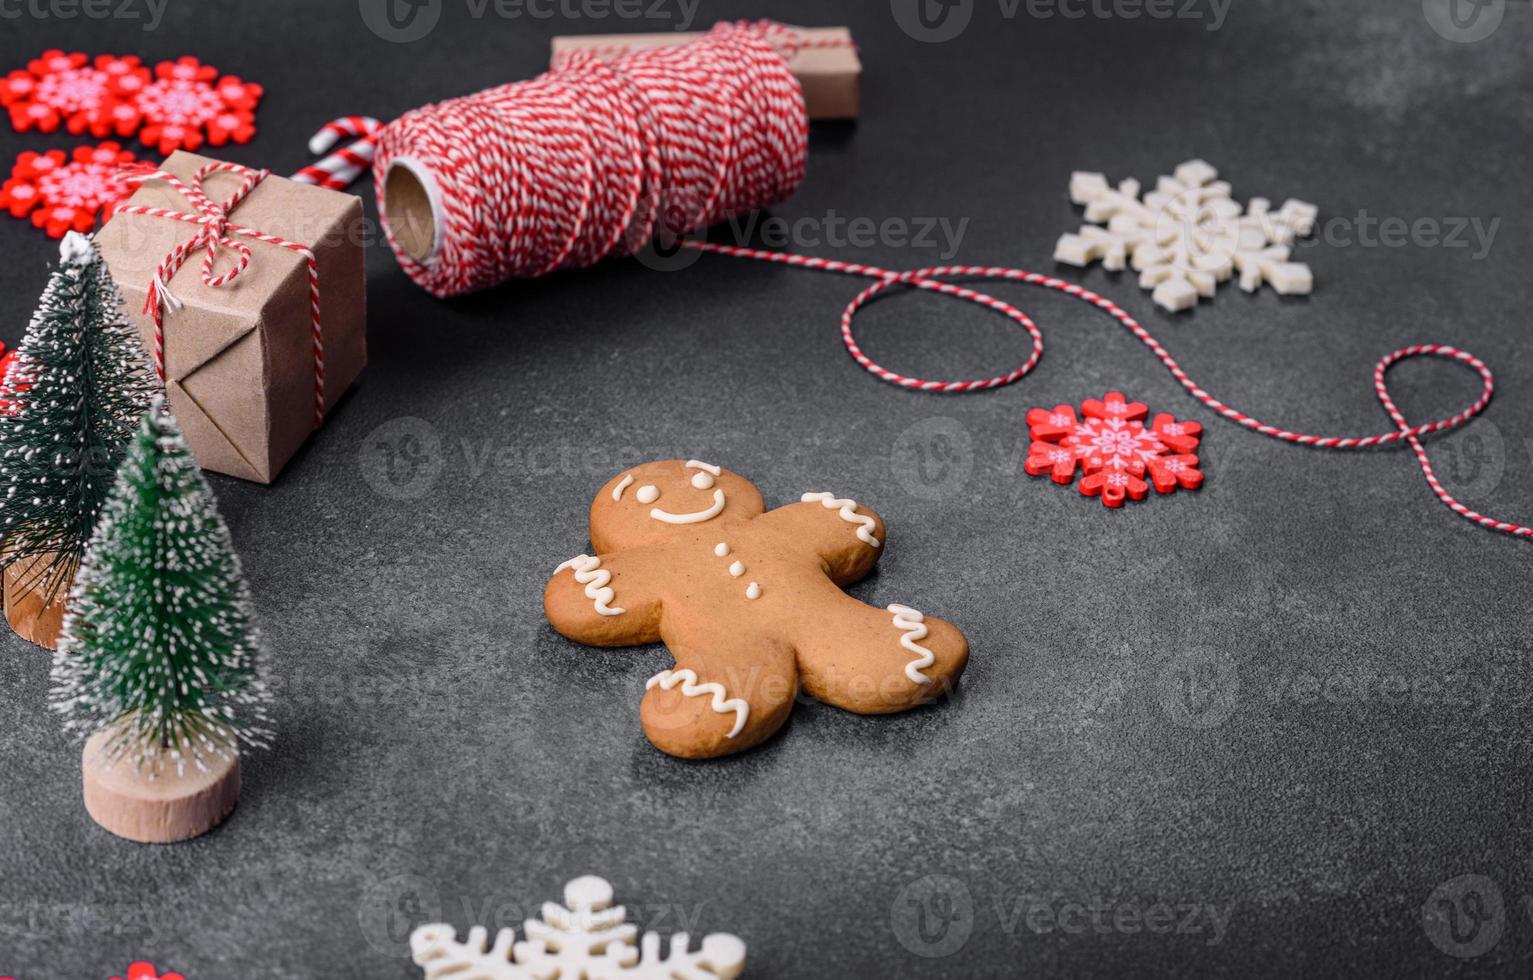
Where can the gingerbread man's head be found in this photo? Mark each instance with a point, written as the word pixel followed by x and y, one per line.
pixel 648 503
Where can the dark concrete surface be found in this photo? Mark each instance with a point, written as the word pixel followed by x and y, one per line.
pixel 1259 730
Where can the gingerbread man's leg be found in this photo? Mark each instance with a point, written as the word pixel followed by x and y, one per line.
pixel 876 661
pixel 727 692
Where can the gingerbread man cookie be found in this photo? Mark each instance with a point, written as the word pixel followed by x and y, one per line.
pixel 750 604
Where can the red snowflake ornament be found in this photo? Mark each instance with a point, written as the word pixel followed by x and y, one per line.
pixel 181 104
pixel 69 89
pixel 143 970
pixel 64 193
pixel 185 106
pixel 1110 444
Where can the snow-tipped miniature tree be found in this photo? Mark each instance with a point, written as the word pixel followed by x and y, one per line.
pixel 87 382
pixel 159 643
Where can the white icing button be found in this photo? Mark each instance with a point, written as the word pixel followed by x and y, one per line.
pixel 702 480
pixel 721 549
pixel 753 591
pixel 648 494
pixel 737 569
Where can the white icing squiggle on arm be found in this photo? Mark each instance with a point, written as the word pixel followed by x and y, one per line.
pixel 617 491
pixel 848 513
pixel 914 624
pixel 589 573
pixel 722 704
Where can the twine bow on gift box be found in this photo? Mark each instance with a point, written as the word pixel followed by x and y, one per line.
pixel 216 231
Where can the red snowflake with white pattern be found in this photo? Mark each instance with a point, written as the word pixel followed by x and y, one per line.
pixel 185 106
pixel 72 90
pixel 67 192
pixel 1109 443
pixel 181 104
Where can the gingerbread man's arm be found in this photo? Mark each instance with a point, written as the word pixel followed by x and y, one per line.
pixel 848 537
pixel 875 661
pixel 608 600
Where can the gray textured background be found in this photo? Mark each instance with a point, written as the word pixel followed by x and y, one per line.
pixel 1297 699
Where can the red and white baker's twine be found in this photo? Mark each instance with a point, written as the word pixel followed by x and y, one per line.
pixel 217 231
pixel 595 158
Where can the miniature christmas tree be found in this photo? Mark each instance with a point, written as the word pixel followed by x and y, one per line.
pixel 87 382
pixel 159 653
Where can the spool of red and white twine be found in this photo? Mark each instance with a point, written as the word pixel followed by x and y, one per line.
pixel 597 158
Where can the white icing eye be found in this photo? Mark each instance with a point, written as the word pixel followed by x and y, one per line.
pixel 648 494
pixel 702 480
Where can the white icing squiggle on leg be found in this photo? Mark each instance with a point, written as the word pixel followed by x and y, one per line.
pixel 848 513
pixel 690 688
pixel 589 573
pixel 913 622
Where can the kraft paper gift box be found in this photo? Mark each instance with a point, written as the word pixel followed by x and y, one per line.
pixel 239 357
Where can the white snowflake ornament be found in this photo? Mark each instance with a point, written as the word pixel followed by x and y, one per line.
pixel 586 938
pixel 1188 235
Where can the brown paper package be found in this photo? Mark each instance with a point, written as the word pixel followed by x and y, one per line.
pixel 831 73
pixel 239 358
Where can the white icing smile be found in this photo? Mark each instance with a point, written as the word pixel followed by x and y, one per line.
pixel 697 516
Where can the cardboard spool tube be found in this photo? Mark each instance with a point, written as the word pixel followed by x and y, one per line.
pixel 827 67
pixel 28 588
pixel 171 807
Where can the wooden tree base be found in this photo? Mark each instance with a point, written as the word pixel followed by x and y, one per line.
pixel 163 810
pixel 27 608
